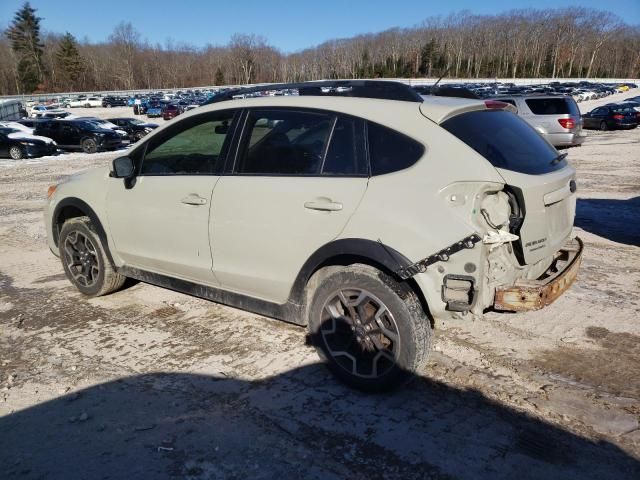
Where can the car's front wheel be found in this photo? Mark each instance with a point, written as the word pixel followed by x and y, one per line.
pixel 84 259
pixel 370 329
pixel 16 153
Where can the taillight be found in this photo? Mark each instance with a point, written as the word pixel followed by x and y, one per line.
pixel 618 117
pixel 567 123
pixel 495 104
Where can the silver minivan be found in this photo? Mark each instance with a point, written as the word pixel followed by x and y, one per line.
pixel 556 118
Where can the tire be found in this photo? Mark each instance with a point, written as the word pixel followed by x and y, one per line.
pixel 354 315
pixel 603 126
pixel 16 153
pixel 138 136
pixel 87 105
pixel 108 105
pixel 84 259
pixel 89 145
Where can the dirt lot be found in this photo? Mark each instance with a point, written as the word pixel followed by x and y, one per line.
pixel 148 383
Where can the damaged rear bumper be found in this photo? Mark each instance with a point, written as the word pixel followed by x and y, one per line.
pixel 537 294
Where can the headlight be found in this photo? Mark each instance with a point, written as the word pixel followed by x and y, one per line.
pixel 28 144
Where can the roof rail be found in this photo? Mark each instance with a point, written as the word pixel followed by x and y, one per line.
pixel 379 89
pixel 447 91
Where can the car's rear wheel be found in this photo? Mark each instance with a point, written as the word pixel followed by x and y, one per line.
pixel 89 145
pixel 84 259
pixel 16 153
pixel 371 330
pixel 603 126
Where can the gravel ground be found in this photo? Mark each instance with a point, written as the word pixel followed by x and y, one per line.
pixel 149 383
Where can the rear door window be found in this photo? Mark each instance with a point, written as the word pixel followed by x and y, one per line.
pixel 284 142
pixel 346 155
pixel 552 106
pixel 506 141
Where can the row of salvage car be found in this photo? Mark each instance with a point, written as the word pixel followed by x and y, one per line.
pixel 32 138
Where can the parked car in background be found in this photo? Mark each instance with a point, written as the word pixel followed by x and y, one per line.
pixel 36 110
pixel 153 109
pixel 17 144
pixel 136 129
pixel 76 102
pixel 555 117
pixel 101 123
pixel 611 117
pixel 110 101
pixel 86 102
pixel 79 135
pixel 171 111
pixel 55 113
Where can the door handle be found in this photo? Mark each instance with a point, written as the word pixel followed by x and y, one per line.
pixel 325 205
pixel 194 199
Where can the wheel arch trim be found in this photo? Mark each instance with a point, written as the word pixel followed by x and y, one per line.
pixel 376 252
pixel 85 208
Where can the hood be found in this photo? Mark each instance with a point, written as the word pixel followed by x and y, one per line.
pixel 29 137
pixel 101 172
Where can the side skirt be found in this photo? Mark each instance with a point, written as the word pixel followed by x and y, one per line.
pixel 288 312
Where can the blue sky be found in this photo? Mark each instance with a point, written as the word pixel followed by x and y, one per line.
pixel 288 25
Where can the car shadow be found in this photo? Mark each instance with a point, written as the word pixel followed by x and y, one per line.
pixel 616 220
pixel 299 424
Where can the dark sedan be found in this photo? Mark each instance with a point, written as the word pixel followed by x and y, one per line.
pixel 114 102
pixel 136 129
pixel 611 117
pixel 15 144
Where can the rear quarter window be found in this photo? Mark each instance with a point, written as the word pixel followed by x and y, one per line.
pixel 390 151
pixel 552 106
pixel 506 141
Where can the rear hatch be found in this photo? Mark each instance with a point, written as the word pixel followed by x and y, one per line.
pixel 535 172
pixel 556 114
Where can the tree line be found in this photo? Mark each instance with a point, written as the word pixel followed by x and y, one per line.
pixel 559 43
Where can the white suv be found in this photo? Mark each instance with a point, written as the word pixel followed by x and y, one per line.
pixel 363 213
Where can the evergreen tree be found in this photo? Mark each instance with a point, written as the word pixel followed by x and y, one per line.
pixel 24 34
pixel 69 61
pixel 219 77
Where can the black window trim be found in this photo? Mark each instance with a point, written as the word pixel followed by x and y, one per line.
pixel 242 132
pixel 169 133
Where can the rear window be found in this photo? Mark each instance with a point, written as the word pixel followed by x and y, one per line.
pixel 552 106
pixel 506 141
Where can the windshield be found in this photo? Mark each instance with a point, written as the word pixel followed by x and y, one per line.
pixel 506 141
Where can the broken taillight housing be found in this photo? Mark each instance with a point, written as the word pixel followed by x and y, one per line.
pixel 567 123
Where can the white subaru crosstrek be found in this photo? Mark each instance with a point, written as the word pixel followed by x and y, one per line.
pixel 355 208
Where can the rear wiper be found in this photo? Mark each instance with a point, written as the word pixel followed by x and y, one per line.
pixel 559 158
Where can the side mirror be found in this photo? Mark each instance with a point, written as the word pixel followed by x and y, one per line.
pixel 222 129
pixel 123 168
